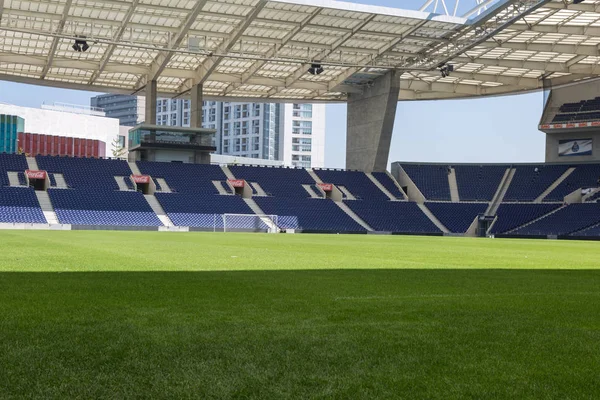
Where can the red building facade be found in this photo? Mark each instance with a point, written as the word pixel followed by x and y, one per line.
pixel 34 144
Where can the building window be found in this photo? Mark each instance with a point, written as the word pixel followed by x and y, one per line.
pixel 256 110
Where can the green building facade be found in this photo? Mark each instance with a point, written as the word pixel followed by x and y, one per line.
pixel 10 126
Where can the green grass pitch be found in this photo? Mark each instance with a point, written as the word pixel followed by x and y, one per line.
pixel 213 315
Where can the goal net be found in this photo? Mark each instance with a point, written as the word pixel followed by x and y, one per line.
pixel 249 223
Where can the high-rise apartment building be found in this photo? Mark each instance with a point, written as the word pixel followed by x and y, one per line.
pixel 292 133
pixel 129 110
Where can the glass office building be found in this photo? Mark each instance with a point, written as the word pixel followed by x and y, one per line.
pixel 10 126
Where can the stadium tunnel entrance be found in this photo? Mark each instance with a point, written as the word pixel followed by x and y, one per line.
pixel 38 180
pixel 240 188
pixel 144 183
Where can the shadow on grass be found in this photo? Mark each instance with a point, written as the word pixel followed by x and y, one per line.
pixel 301 334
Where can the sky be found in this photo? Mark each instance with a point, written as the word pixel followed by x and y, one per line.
pixel 492 129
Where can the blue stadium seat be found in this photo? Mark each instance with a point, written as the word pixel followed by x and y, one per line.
pixel 82 173
pixel 11 162
pixel 530 181
pixel 356 182
pixel 512 216
pixel 593 231
pixel 200 210
pixel 388 183
pixel 279 182
pixel 457 217
pixel 584 176
pixel 185 178
pixel 312 215
pixel 20 205
pixel 102 207
pixel 432 180
pixel 570 219
pixel 478 182
pixel 394 216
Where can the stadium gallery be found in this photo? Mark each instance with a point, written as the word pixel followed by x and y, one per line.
pixel 109 307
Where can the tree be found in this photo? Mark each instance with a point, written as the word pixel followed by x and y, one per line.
pixel 117 150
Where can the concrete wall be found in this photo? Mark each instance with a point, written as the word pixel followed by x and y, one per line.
pixel 370 123
pixel 552 140
pixel 59 123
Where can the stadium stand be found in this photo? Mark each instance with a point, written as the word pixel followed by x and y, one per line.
pixel 593 231
pixel 432 180
pixel 593 198
pixel 569 219
pixel 478 182
pixel 184 178
pixel 52 180
pixel 584 176
pixel 309 215
pixel 584 110
pixel 102 207
pixel 457 217
pixel 356 182
pixel 20 205
pixel 394 216
pixel 93 197
pixel 278 182
pixel 389 184
pixel 200 210
pixel 512 216
pixel 82 173
pixel 530 181
pixel 11 162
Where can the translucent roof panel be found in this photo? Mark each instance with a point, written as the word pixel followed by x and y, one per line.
pixel 264 48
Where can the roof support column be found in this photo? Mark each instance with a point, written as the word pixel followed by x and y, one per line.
pixel 196 107
pixel 151 103
pixel 370 123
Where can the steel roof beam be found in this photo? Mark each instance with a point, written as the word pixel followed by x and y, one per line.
pixel 273 52
pixel 111 48
pixel 162 59
pixel 586 50
pixel 211 63
pixel 56 40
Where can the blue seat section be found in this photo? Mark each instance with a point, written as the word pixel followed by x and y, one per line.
pixel 11 162
pixel 22 180
pixel 530 181
pixel 356 182
pixel 478 182
pixel 389 184
pixel 572 218
pixel 102 207
pixel 279 182
pixel 52 180
pixel 315 215
pixel 20 205
pixel 584 176
pixel 185 178
pixel 394 216
pixel 457 217
pixel 200 210
pixel 591 231
pixel 129 183
pixel 85 172
pixel 432 180
pixel 593 198
pixel 158 187
pixel 512 216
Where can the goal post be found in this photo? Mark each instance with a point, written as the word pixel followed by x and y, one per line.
pixel 250 223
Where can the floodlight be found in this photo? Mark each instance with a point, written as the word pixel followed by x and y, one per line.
pixel 316 69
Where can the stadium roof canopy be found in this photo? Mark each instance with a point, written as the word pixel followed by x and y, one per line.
pixel 250 49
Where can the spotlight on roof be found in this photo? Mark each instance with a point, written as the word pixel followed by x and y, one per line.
pixel 80 45
pixel 316 69
pixel 445 69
